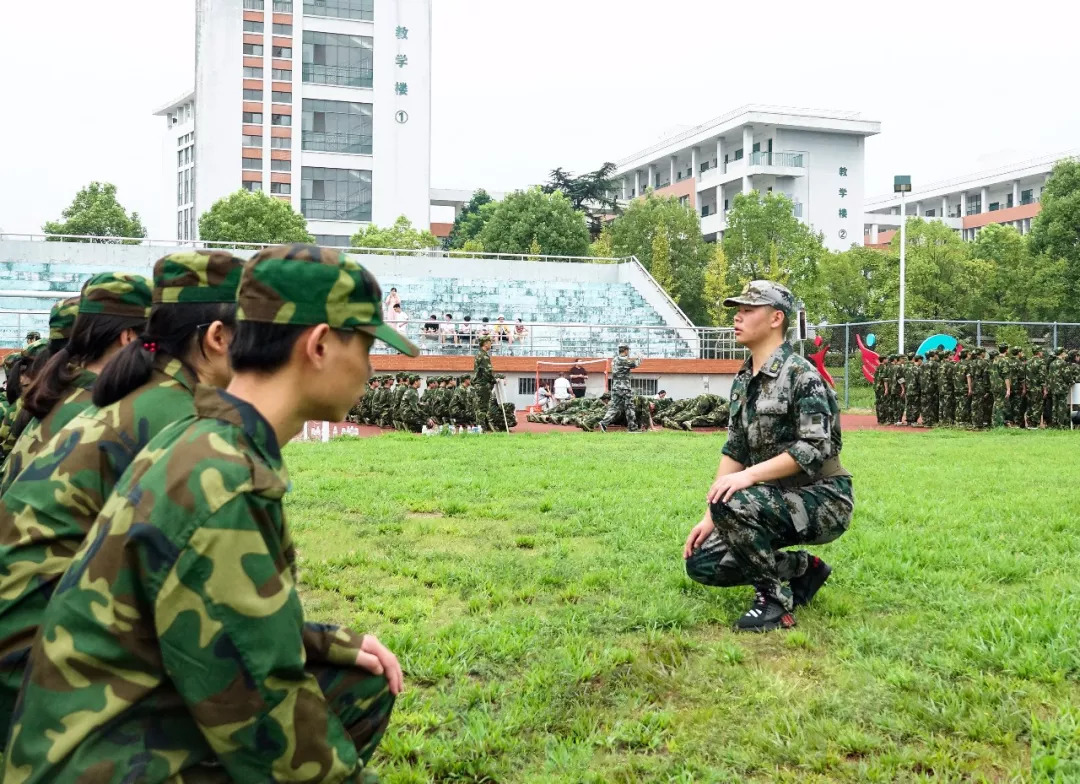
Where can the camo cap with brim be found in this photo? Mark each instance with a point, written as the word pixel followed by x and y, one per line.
pixel 11 359
pixel 764 292
pixel 201 276
pixel 116 294
pixel 35 348
pixel 62 318
pixel 306 285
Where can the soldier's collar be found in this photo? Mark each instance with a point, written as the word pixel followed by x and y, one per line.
pixel 175 369
pixel 771 366
pixel 214 403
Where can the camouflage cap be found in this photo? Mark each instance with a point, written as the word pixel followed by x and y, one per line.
pixel 993 354
pixel 116 294
pixel 11 359
pixel 1003 347
pixel 306 285
pixel 764 292
pixel 32 335
pixel 1016 351
pixel 624 347
pixel 1037 350
pixel 35 348
pixel 62 318
pixel 197 276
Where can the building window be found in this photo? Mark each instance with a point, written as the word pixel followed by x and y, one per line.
pixel 281 188
pixel 253 118
pixel 281 52
pixel 974 205
pixel 252 27
pixel 995 206
pixel 1026 197
pixel 282 29
pixel 283 120
pixel 280 143
pixel 1008 200
pixel 280 96
pixel 251 164
pixel 252 186
pixel 252 95
pixel 276 165
pixel 930 213
pixel 333 240
pixel 738 155
pixel 345 9
pixel 684 201
pixel 335 194
pixel 254 50
pixel 179 188
pixel 250 72
pixel 253 5
pixel 252 141
pixel 283 6
pixel 336 126
pixel 332 58
pixel 179 158
pixel 281 75
pixel 705 211
pixel 644 386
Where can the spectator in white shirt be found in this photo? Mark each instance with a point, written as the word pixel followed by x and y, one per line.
pixel 399 320
pixel 391 299
pixel 465 331
pixel 562 388
pixel 543 397
pixel 447 331
pixel 520 331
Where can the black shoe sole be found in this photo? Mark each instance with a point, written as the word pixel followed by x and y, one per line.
pixel 773 626
pixel 813 586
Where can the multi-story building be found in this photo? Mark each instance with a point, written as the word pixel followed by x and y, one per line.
pixel 325 104
pixel 1009 195
pixel 814 157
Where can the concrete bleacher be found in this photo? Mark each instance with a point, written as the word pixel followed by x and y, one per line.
pixel 573 309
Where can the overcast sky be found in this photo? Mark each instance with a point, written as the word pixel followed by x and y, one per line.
pixel 520 88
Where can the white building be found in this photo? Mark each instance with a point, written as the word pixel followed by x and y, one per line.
pixel 814 157
pixel 1008 195
pixel 322 103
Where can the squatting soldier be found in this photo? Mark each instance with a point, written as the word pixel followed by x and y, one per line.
pixel 463 404
pixel 1035 384
pixel 52 504
pixel 195 662
pixel 914 390
pixel 621 397
pixel 483 381
pixel 411 414
pixel 780 482
pixel 382 406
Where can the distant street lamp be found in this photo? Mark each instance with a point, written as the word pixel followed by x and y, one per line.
pixel 902 185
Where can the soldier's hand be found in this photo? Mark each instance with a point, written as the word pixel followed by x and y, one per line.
pixel 698 534
pixel 727 485
pixel 377 659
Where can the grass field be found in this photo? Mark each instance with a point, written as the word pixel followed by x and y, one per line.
pixel 533 587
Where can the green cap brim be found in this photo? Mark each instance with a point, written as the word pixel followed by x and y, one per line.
pixel 387 334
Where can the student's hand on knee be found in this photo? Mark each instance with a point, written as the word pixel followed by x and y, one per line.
pixel 726 486
pixel 698 534
pixel 377 659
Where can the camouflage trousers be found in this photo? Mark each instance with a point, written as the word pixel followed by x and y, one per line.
pixel 947 415
pixel 930 405
pixel 754 526
pixel 912 409
pixel 622 402
pixel 483 403
pixel 982 409
pixel 879 408
pixel 962 412
pixel 1000 413
pixel 1034 406
pixel 1059 407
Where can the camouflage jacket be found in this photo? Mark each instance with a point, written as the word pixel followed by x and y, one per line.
pixel 411 410
pixel 785 407
pixel 7 436
pixel 73 402
pixel 177 635
pixel 483 375
pixel 380 403
pixel 1058 376
pixel 879 377
pixel 916 381
pixel 948 378
pixel 620 372
pixel 999 371
pixel 48 509
pixel 1036 374
pixel 461 405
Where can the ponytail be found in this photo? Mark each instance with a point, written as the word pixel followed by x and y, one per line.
pixel 91 337
pixel 174 330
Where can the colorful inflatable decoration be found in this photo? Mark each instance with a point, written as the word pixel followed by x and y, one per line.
pixel 947 342
pixel 819 362
pixel 870 359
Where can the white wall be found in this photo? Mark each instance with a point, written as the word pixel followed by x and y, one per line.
pixel 819 188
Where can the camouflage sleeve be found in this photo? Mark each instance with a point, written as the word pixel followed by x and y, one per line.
pixel 230 625
pixel 736 447
pixel 814 423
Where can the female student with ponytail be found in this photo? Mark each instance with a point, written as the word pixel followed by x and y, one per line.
pixel 112 311
pixel 48 510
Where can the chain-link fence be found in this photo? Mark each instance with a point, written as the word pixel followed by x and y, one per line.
pixel 845 362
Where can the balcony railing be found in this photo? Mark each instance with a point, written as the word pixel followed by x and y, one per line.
pixel 791 160
pixel 321 209
pixel 336 142
pixel 339 75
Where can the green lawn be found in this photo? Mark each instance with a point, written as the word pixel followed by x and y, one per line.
pixel 533 587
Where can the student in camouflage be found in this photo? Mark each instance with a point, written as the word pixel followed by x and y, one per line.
pixel 1018 386
pixel 1036 391
pixel 412 414
pixel 53 502
pixel 113 308
pixel 175 645
pixel 780 482
pixel 963 390
pixel 483 381
pixel 20 378
pixel 621 403
pixel 463 404
pixel 947 414
pixel 928 390
pixel 704 411
pixel 880 374
pixel 913 395
pixel 901 379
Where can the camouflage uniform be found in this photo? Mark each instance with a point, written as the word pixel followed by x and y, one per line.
pixel 51 505
pixel 1058 381
pixel 704 411
pixel 982 384
pixel 913 394
pixel 463 404
pixel 930 390
pixel 180 613
pixel 621 402
pixel 947 413
pixel 898 387
pixel 14 412
pixel 589 413
pixel 999 371
pixel 963 398
pixel 880 377
pixel 1036 388
pixel 786 407
pixel 1018 382
pixel 381 405
pixel 109 294
pixel 483 381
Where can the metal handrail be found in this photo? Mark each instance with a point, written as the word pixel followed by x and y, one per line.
pixel 335 142
pixel 338 75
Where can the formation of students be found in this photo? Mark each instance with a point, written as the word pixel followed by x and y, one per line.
pixel 150 625
pixel 447 402
pixel 977 389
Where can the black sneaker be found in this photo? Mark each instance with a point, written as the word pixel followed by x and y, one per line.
pixel 765 615
pixel 804 588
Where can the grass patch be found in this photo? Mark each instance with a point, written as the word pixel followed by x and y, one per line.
pixel 533 587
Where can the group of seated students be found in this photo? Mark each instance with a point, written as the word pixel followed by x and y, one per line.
pixel 469 332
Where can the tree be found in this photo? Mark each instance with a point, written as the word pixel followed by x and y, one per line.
pixel 473 246
pixel 717 287
pixel 470 221
pixel 246 216
pixel 633 232
pixel 1015 284
pixel 602 248
pixel 1055 231
pixel 842 290
pixel 661 260
pixel 764 239
pixel 942 282
pixel 96 212
pixel 593 193
pixel 527 215
pixel 400 236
